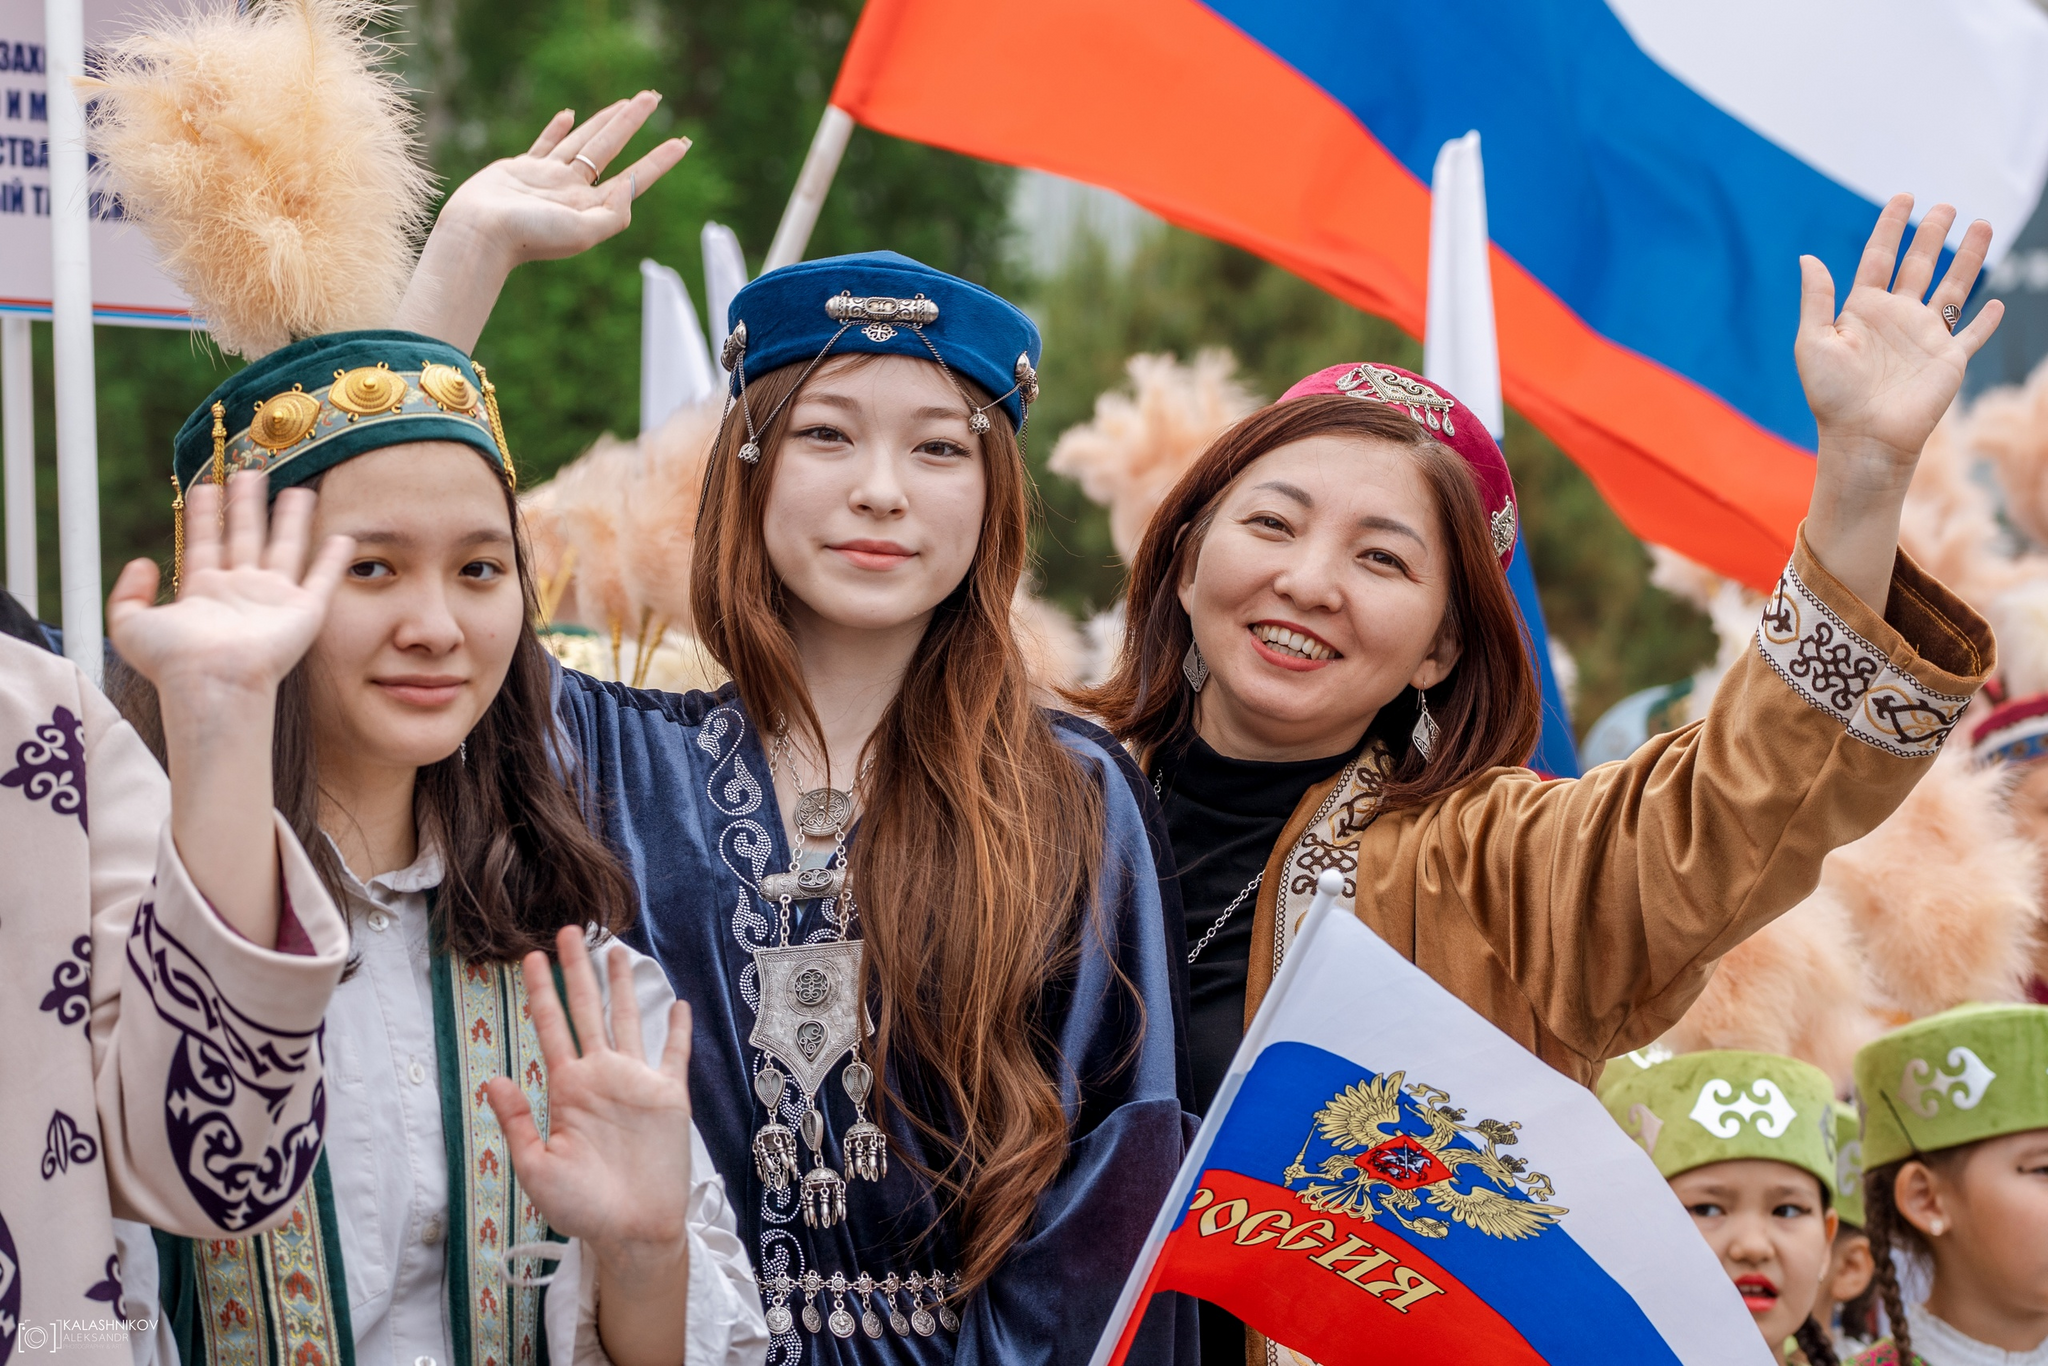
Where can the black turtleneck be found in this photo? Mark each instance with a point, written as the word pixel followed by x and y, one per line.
pixel 1224 816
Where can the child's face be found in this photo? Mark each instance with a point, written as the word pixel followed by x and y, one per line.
pixel 1850 1268
pixel 1991 1210
pixel 1767 1223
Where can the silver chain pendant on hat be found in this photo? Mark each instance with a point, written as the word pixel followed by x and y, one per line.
pixel 810 1017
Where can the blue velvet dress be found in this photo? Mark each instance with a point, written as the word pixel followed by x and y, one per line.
pixel 683 787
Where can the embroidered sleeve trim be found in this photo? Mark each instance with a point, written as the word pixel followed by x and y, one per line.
pixel 1840 673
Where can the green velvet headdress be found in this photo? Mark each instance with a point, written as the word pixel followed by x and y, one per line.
pixel 1975 1072
pixel 305 408
pixel 1698 1108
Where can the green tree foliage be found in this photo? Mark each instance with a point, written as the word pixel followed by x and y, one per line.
pixel 748 82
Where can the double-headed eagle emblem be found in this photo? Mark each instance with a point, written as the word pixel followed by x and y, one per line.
pixel 1381 1166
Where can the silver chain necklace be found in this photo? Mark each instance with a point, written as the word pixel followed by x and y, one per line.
pixel 1235 902
pixel 810 1016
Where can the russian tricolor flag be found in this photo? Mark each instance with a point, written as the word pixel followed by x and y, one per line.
pixel 1654 170
pixel 1386 1177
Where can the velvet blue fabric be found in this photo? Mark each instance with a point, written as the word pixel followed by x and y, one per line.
pixel 683 786
pixel 978 333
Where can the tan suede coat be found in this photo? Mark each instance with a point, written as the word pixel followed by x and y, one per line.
pixel 1583 916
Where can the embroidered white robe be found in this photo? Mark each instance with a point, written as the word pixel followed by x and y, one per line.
pixel 156 1065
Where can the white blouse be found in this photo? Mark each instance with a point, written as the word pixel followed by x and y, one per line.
pixel 1939 1343
pixel 390 1169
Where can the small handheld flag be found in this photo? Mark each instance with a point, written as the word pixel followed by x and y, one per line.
pixel 1386 1177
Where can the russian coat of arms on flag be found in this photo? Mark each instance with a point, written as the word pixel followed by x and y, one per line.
pixel 1385 1177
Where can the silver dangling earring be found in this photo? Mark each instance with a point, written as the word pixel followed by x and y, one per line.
pixel 462 753
pixel 1193 667
pixel 1426 729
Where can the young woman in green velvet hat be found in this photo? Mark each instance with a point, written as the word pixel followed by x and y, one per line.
pixel 480 1131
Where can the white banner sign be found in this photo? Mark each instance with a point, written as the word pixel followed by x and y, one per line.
pixel 127 286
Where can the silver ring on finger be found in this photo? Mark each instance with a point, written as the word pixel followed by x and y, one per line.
pixel 1951 315
pixel 594 172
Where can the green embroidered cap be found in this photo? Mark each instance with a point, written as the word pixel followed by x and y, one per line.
pixel 1849 1165
pixel 1971 1073
pixel 1697 1108
pixel 306 408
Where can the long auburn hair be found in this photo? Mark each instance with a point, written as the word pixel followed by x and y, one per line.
pixel 980 835
pixel 1489 709
pixel 520 858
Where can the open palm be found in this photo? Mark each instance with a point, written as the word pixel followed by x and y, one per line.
pixel 1882 373
pixel 545 205
pixel 247 609
pixel 614 1169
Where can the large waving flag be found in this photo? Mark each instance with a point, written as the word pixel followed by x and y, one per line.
pixel 1654 170
pixel 1386 1177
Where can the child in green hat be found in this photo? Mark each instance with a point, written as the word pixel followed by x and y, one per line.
pixel 1955 1147
pixel 1747 1141
pixel 1846 1302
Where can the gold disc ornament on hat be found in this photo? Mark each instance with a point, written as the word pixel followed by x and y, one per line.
pixel 367 390
pixel 284 420
pixel 448 387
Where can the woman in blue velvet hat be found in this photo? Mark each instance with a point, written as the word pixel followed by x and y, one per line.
pixel 474 1123
pixel 917 917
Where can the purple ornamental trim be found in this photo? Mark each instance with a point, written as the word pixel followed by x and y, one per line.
pixel 64 1144
pixel 223 1050
pixel 51 767
pixel 70 993
pixel 10 1292
pixel 108 1289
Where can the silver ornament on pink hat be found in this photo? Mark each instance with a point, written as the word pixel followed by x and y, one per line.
pixel 1448 420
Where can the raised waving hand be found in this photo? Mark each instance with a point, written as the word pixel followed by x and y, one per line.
pixel 552 201
pixel 248 609
pixel 614 1170
pixel 1879 375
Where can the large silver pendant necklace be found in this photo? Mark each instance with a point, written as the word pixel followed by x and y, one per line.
pixel 811 1016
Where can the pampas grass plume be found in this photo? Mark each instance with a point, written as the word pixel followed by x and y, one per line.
pixel 271 161
pixel 1139 444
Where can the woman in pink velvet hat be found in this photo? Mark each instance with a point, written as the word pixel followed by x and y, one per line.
pixel 1323 668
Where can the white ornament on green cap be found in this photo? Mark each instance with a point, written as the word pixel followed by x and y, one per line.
pixel 1968 1074
pixel 1696 1108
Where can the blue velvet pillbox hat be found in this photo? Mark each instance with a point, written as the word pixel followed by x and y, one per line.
pixel 878 302
pixel 305 408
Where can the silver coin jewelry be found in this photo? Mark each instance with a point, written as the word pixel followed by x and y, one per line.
pixel 780 1320
pixel 870 1321
pixel 948 1320
pixel 898 1320
pixel 813 1283
pixel 841 1321
pixel 811 1017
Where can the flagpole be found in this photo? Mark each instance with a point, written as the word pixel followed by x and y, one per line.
pixel 820 165
pixel 1329 887
pixel 17 411
pixel 78 479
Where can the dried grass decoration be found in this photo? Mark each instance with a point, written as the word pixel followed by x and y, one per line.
pixel 272 161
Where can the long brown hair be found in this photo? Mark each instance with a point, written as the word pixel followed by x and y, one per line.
pixel 520 858
pixel 1489 707
pixel 980 835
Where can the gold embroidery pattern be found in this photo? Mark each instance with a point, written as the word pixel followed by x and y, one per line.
pixel 496 1038
pixel 1838 672
pixel 289 1266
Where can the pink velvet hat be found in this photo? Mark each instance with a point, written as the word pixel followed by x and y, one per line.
pixel 1448 420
